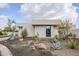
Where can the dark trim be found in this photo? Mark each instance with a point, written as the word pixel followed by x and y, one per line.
pixel 45 25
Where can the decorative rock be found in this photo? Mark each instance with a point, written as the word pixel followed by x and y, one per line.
pixel 20 39
pixel 40 46
pixel 56 45
pixel 33 48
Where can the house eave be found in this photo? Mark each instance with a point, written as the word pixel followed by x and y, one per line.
pixel 45 22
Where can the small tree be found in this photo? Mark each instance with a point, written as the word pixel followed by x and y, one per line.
pixel 1 33
pixel 24 33
pixel 63 29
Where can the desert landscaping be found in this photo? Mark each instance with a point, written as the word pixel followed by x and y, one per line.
pixel 29 47
pixel 54 33
pixel 64 44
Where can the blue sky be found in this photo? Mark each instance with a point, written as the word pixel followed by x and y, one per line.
pixel 13 12
pixel 24 12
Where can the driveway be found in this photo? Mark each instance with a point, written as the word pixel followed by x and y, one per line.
pixel 4 51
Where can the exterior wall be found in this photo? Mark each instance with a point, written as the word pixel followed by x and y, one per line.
pixel 41 30
pixel 28 27
pixel 54 31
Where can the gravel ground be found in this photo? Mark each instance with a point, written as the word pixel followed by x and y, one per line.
pixel 20 48
pixel 67 52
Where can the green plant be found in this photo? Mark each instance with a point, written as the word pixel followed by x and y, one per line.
pixel 64 29
pixel 35 38
pixel 4 33
pixel 7 29
pixel 24 33
pixel 1 33
pixel 72 42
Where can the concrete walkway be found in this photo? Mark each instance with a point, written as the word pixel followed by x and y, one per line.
pixel 4 38
pixel 4 51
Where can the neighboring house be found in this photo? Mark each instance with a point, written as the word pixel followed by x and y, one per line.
pixel 42 28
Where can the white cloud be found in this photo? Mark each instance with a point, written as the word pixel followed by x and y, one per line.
pixel 3 17
pixel 3 5
pixel 3 20
pixel 50 10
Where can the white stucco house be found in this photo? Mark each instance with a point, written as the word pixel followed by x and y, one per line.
pixel 42 28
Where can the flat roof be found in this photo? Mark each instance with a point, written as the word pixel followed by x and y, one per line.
pixel 46 22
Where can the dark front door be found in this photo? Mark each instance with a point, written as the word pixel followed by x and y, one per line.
pixel 48 31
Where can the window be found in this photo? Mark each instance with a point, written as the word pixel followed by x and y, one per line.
pixel 48 31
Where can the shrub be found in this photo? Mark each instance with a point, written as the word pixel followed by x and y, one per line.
pixel 72 42
pixel 1 33
pixel 7 29
pixel 24 33
pixel 64 29
pixel 35 38
pixel 4 33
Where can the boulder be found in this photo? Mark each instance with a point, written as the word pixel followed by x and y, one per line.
pixel 40 46
pixel 20 39
pixel 33 48
pixel 56 45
